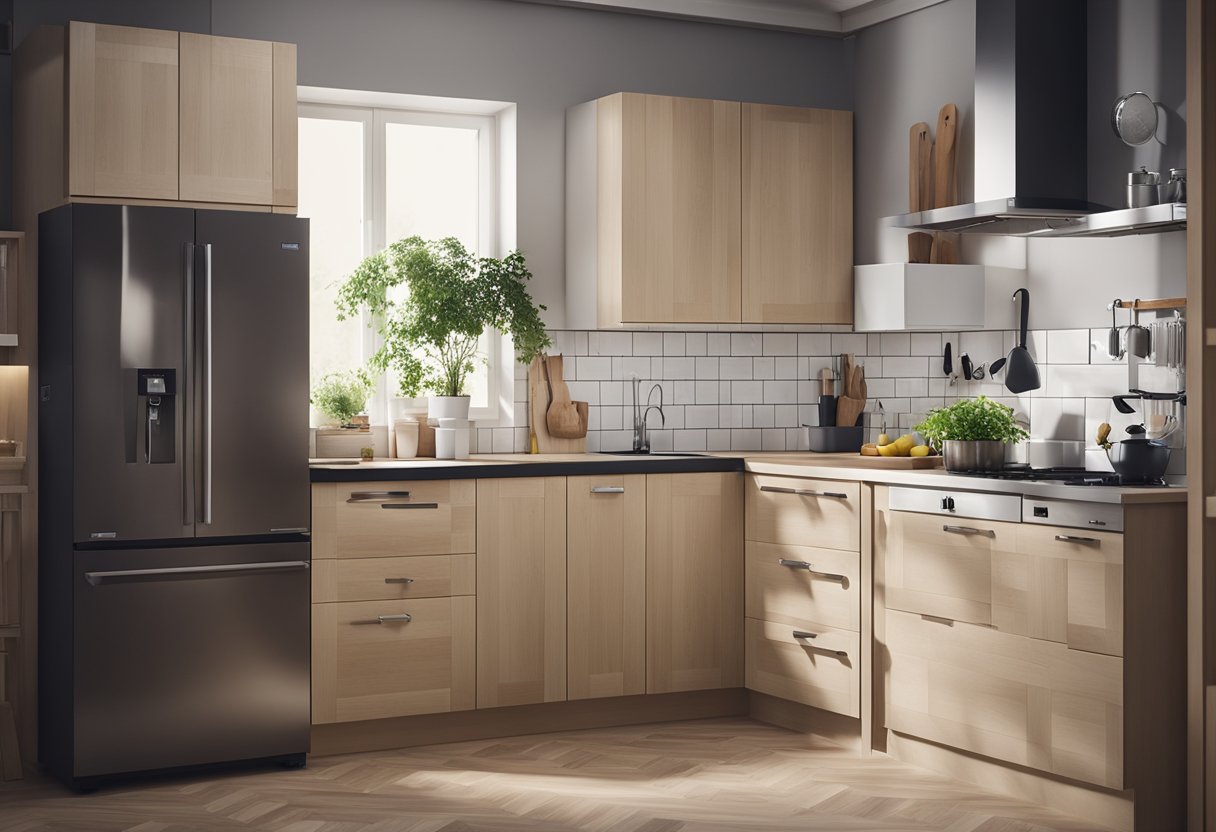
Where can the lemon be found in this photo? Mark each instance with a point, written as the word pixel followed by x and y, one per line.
pixel 883 439
pixel 919 450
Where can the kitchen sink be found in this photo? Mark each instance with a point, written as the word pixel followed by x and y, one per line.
pixel 647 453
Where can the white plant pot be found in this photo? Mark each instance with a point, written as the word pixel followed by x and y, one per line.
pixel 447 407
pixel 403 408
pixel 406 434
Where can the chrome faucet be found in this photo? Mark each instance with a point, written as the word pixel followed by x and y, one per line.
pixel 641 441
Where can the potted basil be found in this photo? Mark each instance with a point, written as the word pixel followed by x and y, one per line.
pixel 431 300
pixel 972 433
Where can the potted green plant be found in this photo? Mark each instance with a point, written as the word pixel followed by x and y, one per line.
pixel 340 397
pixel 972 433
pixel 431 300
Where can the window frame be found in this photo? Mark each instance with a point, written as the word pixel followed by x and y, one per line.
pixel 375 119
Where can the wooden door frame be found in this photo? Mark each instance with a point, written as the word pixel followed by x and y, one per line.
pixel 1201 385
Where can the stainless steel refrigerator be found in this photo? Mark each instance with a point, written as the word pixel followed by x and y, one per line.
pixel 173 489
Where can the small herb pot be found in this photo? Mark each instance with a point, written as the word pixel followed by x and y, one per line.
pixel 973 455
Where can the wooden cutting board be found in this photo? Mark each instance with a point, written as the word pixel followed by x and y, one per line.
pixel 945 163
pixel 538 406
pixel 904 463
pixel 920 188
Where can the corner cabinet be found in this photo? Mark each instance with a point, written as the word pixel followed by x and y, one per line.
pixel 683 210
pixel 150 114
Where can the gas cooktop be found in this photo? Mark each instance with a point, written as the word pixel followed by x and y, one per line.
pixel 1063 476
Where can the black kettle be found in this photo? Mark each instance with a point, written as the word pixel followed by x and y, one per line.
pixel 1138 458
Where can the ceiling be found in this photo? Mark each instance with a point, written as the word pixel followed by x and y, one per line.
pixel 834 17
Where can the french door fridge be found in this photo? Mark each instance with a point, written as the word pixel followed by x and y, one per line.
pixel 174 495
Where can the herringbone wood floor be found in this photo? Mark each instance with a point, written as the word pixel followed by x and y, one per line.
pixel 722 775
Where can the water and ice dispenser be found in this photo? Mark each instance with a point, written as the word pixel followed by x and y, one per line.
pixel 157 390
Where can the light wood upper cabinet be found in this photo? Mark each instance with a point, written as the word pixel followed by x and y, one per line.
pixel 606 584
pixel 662 194
pixel 521 591
pixel 227 119
pixel 668 210
pixel 694 588
pixel 122 111
pixel 797 215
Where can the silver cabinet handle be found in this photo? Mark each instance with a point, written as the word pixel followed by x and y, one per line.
pixel 186 393
pixel 843 580
pixel 804 492
pixel 403 618
pixel 1097 522
pixel 608 489
pixel 803 635
pixel 96 578
pixel 969 530
pixel 1072 538
pixel 207 422
pixel 398 580
pixel 376 496
pixel 409 505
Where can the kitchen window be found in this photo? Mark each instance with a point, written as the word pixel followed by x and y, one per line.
pixel 371 175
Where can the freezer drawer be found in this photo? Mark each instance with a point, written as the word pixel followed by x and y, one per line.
pixel 190 655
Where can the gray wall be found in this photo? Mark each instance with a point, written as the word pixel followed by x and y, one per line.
pixel 544 58
pixel 1133 45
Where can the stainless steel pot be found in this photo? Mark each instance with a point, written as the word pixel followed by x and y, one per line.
pixel 973 455
pixel 1142 188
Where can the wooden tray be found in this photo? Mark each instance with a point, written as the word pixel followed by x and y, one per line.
pixel 901 463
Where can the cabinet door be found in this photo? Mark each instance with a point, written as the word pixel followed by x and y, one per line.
pixel 521 591
pixel 679 207
pixel 381 659
pixel 694 587
pixel 606 559
pixel 122 111
pixel 227 120
pixel 797 215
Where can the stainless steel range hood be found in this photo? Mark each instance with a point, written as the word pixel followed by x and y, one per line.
pixel 1029 121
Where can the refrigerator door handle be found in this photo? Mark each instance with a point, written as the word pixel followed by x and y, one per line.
pixel 207 424
pixel 95 578
pixel 187 389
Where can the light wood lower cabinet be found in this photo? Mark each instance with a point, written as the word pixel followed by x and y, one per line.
pixel 795 584
pixel 392 519
pixel 694 591
pixel 379 659
pixel 1026 701
pixel 606 585
pixel 393 579
pixel 521 591
pixel 804 512
pixel 812 664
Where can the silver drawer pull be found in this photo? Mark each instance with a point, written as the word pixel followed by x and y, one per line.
pixel 409 505
pixel 403 618
pixel 968 530
pixel 375 496
pixel 804 492
pixel 172 572
pixel 1072 538
pixel 608 489
pixel 398 580
pixel 803 634
pixel 843 580
pixel 1097 522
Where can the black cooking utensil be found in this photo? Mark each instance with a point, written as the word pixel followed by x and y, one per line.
pixel 967 369
pixel 996 366
pixel 948 360
pixel 1022 374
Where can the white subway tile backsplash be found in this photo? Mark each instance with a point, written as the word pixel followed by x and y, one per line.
pixel 718 343
pixel 896 343
pixel 785 368
pixel 746 392
pixel 624 368
pixel 717 438
pixel 762 416
pixel 735 368
pixel 925 343
pixel 690 440
pixel 780 343
pixel 694 343
pixel 780 392
pixel 1068 346
pixel 981 346
pixel 853 342
pixel 707 392
pixel 674 343
pixel 785 414
pixel 679 368
pixel 589 368
pixel 747 343
pixel 814 343
pixel 910 387
pixel 610 343
pixel 730 415
pixel 707 368
pixel 700 416
pixel 648 343
pixel 772 439
pixel 747 439
pixel 686 392
pixel 904 367
pixel 1057 418
pixel 763 368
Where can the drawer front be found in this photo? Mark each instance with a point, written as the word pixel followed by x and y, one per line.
pixel 804 512
pixel 940 566
pixel 368 668
pixel 389 519
pixel 811 664
pixel 390 579
pixel 1030 702
pixel 1064 585
pixel 793 584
